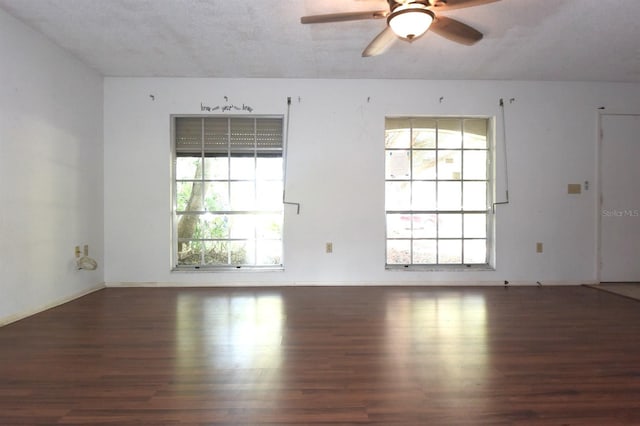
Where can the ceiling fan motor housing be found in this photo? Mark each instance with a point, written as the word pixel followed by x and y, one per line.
pixel 406 11
pixel 394 4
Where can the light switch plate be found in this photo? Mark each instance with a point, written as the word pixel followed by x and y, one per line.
pixel 574 188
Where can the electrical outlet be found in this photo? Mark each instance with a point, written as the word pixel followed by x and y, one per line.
pixel 538 247
pixel 329 247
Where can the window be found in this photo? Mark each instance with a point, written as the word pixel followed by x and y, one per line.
pixel 437 191
pixel 228 209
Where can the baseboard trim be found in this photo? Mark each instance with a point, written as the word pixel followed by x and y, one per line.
pixel 158 284
pixel 22 315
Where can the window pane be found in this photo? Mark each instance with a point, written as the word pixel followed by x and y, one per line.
pixel 189 226
pixel 475 195
pixel 243 226
pixel 475 251
pixel 217 252
pixel 449 133
pixel 425 252
pixel 398 165
pixel 398 196
pixel 242 136
pixel 269 226
pixel 242 196
pixel 450 226
pixel 269 252
pixel 449 195
pixel 424 133
pixel 475 133
pixel 213 226
pixel 216 135
pixel 216 168
pixel 216 196
pixel 424 164
pixel 475 165
pixel 269 195
pixel 450 251
pixel 189 196
pixel 189 252
pixel 242 252
pixel 424 226
pixel 399 138
pixel 424 196
pixel 243 168
pixel 269 168
pixel 187 168
pixel 449 165
pixel 397 134
pixel 398 252
pixel 398 225
pixel 475 225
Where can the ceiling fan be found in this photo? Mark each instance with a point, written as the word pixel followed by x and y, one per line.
pixel 408 20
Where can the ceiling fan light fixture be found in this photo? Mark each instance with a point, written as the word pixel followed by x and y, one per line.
pixel 410 20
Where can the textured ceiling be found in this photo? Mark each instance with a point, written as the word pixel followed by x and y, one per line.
pixel 592 40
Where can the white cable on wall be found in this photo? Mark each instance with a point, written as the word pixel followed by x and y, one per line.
pixel 87 263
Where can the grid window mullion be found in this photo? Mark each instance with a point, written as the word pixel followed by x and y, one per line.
pixel 206 239
pixel 451 136
pixel 462 156
pixel 437 130
pixel 411 190
pixel 203 190
pixel 255 185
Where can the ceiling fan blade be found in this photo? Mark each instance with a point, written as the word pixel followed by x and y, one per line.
pixel 346 16
pixel 444 5
pixel 380 44
pixel 455 31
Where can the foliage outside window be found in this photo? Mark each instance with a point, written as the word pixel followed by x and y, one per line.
pixel 228 209
pixel 437 191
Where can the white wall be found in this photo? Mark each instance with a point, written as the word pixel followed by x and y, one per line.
pixel 51 183
pixel 336 172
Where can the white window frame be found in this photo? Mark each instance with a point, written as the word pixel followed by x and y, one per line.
pixel 230 265
pixel 489 260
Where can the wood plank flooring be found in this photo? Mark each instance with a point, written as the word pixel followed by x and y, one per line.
pixel 326 355
pixel 628 289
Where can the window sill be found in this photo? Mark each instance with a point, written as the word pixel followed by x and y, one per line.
pixel 440 268
pixel 214 269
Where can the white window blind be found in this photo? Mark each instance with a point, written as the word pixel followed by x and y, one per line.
pixel 215 136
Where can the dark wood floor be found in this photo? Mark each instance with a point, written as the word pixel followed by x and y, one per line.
pixel 424 356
